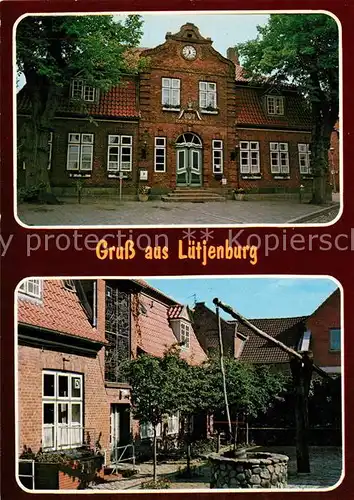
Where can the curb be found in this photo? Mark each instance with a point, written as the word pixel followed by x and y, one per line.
pixel 308 217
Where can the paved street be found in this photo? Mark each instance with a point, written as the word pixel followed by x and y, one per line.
pixel 109 212
pixel 325 461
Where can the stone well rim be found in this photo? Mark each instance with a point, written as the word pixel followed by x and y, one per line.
pixel 261 458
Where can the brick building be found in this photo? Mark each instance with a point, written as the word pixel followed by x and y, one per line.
pixel 319 332
pixel 189 120
pixel 72 337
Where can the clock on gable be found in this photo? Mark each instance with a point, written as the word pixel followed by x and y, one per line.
pixel 189 52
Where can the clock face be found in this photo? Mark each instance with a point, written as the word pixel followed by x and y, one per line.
pixel 189 52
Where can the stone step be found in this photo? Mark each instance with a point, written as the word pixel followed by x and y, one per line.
pixel 192 198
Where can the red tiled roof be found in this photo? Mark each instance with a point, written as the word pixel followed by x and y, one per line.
pixel 59 310
pixel 240 74
pixel 155 335
pixel 259 350
pixel 250 110
pixel 174 312
pixel 119 102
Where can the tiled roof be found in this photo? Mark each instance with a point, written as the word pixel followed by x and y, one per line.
pixel 259 350
pixel 155 335
pixel 240 74
pixel 251 112
pixel 59 310
pixel 119 102
pixel 175 312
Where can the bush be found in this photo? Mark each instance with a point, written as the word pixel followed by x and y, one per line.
pixel 160 484
pixel 203 447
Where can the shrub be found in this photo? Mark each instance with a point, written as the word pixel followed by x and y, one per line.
pixel 161 484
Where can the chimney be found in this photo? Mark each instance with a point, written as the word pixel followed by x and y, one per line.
pixel 232 55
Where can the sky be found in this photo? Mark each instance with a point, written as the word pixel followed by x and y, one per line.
pixel 235 28
pixel 252 297
pixel 225 30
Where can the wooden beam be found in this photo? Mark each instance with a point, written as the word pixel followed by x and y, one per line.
pixel 266 336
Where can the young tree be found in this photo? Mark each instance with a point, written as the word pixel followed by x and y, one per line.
pixel 156 391
pixel 51 50
pixel 302 49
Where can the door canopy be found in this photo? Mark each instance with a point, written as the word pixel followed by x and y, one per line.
pixel 188 140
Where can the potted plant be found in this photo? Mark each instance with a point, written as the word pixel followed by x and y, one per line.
pixel 239 194
pixel 144 192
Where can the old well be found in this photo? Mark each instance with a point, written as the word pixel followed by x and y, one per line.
pixel 248 470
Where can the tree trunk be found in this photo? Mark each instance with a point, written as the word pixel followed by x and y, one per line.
pixel 323 123
pixel 301 372
pixel 154 455
pixel 44 98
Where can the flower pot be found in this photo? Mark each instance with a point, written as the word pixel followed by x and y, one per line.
pixel 239 196
pixel 143 197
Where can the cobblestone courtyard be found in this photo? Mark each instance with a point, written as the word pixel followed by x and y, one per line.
pixel 326 470
pixel 108 212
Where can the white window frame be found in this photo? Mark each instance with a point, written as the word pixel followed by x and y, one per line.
pixel 218 156
pixel 279 158
pixel 207 95
pixel 185 333
pixel 173 423
pixel 81 91
pixel 249 151
pixel 160 152
pixel 147 430
pixel 275 105
pixel 32 288
pixel 76 88
pixel 304 158
pixel 123 142
pixel 171 93
pixel 82 141
pixel 74 430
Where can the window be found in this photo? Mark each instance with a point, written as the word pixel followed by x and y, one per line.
pixel 160 154
pixel 69 285
pixel 334 339
pixel 173 424
pixel 81 91
pixel 32 287
pixel 304 158
pixel 304 344
pixel 171 91
pixel 119 153
pixel 249 157
pixel 275 105
pixel 185 334
pixel 62 398
pixel 147 430
pixel 80 152
pixel 217 157
pixel 207 96
pixel 279 157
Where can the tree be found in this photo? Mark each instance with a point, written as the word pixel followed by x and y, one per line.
pixel 157 390
pixel 302 49
pixel 51 50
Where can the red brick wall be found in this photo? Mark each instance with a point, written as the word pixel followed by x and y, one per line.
pixel 167 61
pixel 326 317
pixel 32 362
pixel 265 137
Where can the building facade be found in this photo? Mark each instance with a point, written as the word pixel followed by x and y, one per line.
pixel 189 120
pixel 73 336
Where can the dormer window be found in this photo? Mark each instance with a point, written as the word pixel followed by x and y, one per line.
pixel 184 334
pixel 275 105
pixel 31 287
pixel 69 285
pixel 304 344
pixel 81 91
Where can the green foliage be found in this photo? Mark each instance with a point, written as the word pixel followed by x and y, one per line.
pixel 161 484
pixel 31 193
pixel 296 48
pixel 60 47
